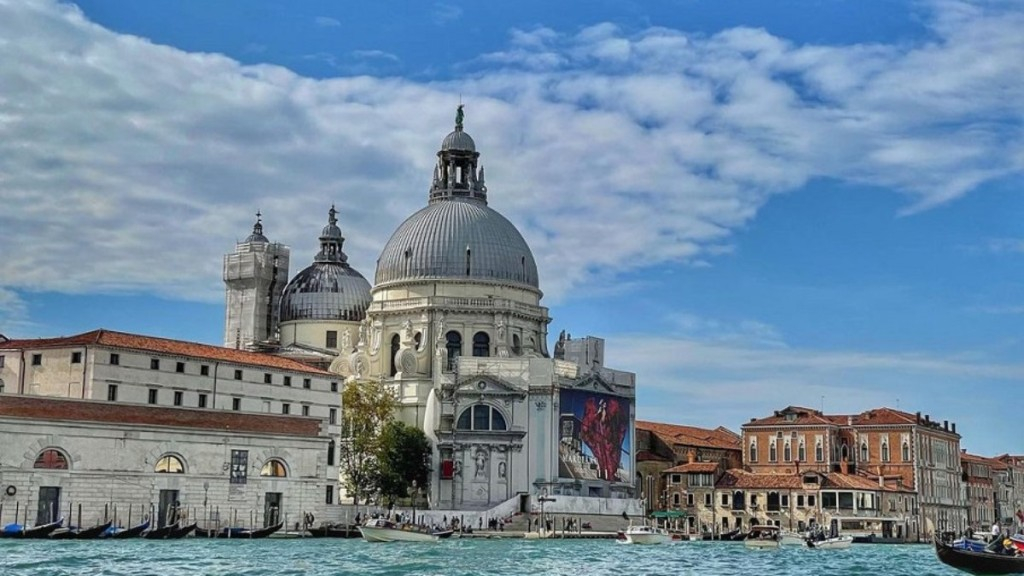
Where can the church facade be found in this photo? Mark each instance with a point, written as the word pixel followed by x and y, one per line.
pixel 454 323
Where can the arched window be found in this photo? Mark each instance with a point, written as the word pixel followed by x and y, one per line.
pixel 845 452
pixel 517 345
pixel 819 452
pixel 51 459
pixel 885 451
pixel 787 452
pixel 753 450
pixel 169 464
pixel 454 346
pixel 396 344
pixel 481 344
pixel 863 451
pixel 481 417
pixel 689 498
pixel 274 467
pixel 906 451
pixel 773 452
pixel 801 452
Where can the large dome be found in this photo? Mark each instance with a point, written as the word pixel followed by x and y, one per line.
pixel 457 238
pixel 329 289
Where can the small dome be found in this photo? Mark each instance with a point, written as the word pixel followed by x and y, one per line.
pixel 326 291
pixel 329 289
pixel 254 237
pixel 457 238
pixel 458 140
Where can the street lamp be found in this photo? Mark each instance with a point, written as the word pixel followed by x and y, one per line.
pixel 542 499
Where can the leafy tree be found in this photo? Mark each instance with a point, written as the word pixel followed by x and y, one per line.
pixel 367 406
pixel 404 458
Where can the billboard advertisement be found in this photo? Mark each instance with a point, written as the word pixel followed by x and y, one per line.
pixel 594 437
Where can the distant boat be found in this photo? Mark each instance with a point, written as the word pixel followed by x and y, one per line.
pixel 35 532
pixel 180 532
pixel 644 534
pixel 335 531
pixel 160 533
pixel 383 530
pixel 763 537
pixel 238 532
pixel 837 543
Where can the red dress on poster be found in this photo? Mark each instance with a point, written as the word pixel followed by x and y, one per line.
pixel 603 429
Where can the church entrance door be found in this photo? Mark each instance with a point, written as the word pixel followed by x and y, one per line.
pixel 49 504
pixel 271 508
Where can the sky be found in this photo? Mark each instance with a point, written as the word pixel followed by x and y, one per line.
pixel 757 204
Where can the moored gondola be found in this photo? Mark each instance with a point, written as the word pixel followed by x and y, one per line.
pixel 35 532
pixel 121 533
pixel 239 532
pixel 180 532
pixel 335 531
pixel 160 533
pixel 80 533
pixel 979 562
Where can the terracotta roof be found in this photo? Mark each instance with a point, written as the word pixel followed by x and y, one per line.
pixel 884 416
pixel 793 416
pixel 47 409
pixel 721 438
pixel 851 481
pixel 126 341
pixel 994 463
pixel 704 467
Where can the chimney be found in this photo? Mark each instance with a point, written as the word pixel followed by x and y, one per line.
pixel 918 417
pixel 953 426
pixel 849 420
pixel 844 467
pixel 927 419
pixel 945 425
pixel 691 456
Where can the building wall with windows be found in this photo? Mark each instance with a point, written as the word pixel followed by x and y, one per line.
pixel 115 460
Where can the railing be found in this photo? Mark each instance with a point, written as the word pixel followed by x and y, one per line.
pixel 498 304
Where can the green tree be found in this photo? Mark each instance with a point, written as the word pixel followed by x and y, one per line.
pixel 367 406
pixel 404 458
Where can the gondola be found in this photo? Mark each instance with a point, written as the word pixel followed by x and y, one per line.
pixel 35 532
pixel 239 532
pixel 335 531
pixel 80 533
pixel 979 562
pixel 160 533
pixel 181 532
pixel 121 533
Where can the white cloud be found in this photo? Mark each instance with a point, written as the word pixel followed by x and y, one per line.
pixel 445 13
pixel 1004 245
pixel 375 54
pixel 327 22
pixel 14 316
pixel 610 151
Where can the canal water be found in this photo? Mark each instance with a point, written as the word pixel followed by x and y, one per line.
pixel 466 557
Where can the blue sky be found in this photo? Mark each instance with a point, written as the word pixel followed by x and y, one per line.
pixel 757 204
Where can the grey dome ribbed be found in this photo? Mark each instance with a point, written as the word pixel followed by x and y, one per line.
pixel 458 140
pixel 329 289
pixel 326 291
pixel 433 242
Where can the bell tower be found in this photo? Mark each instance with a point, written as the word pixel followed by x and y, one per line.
pixel 255 275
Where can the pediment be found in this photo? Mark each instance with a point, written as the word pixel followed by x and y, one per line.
pixel 487 385
pixel 594 382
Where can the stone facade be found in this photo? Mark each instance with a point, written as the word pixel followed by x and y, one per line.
pixel 88 461
pixel 255 275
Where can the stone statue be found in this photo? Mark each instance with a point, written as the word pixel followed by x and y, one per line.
pixel 407 333
pixel 363 327
pixel 346 341
pixel 481 465
pixel 459 115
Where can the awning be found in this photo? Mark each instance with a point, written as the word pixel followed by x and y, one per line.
pixel 669 514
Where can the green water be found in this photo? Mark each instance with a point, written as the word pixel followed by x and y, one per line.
pixel 467 557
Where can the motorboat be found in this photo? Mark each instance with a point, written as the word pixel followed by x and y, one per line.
pixel 384 530
pixel 972 544
pixel 979 562
pixel 790 538
pixel 835 543
pixel 644 534
pixel 763 537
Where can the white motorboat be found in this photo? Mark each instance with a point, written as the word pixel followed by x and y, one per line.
pixel 384 530
pixel 763 537
pixel 837 543
pixel 645 534
pixel 790 538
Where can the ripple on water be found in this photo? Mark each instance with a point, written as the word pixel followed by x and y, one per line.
pixel 469 557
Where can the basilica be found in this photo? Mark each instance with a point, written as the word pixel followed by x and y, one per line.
pixel 455 324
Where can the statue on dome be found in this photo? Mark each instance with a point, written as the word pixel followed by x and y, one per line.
pixel 459 115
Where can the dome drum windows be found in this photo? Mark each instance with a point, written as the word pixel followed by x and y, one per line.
pixel 454 348
pixel 481 345
pixel 482 418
